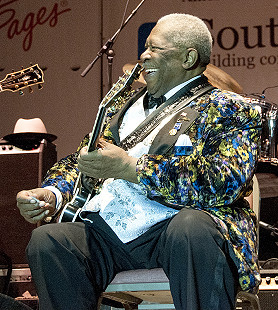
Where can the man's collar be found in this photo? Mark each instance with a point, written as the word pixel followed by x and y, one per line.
pixel 174 90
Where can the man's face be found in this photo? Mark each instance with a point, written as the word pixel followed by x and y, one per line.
pixel 162 62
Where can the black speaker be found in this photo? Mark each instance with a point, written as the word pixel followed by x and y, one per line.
pixel 268 299
pixel 20 169
pixel 268 293
pixel 267 175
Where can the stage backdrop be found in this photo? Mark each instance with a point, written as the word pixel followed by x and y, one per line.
pixel 63 37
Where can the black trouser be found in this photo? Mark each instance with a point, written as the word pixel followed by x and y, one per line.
pixel 72 263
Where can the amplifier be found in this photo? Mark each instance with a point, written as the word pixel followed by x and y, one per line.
pixel 20 281
pixel 268 293
pixel 267 175
pixel 21 289
pixel 20 169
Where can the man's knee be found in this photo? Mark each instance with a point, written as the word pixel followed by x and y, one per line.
pixel 39 238
pixel 191 224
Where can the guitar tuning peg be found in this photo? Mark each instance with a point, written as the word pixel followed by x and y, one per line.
pixel 30 90
pixel 21 93
pixel 40 86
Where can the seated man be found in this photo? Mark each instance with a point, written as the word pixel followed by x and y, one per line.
pixel 175 174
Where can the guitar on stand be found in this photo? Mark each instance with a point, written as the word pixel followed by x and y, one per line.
pixel 16 81
pixel 83 190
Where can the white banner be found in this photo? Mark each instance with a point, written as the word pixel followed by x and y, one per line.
pixel 63 37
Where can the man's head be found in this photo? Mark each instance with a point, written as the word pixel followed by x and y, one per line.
pixel 177 49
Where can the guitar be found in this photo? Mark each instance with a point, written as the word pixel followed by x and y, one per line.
pixel 16 81
pixel 84 191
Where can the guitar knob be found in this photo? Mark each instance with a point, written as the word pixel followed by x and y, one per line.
pixel 40 86
pixel 21 93
pixel 30 90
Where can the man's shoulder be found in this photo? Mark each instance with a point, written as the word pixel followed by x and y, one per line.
pixel 228 98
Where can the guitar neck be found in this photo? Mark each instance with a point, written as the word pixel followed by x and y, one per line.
pixel 124 83
pixel 97 129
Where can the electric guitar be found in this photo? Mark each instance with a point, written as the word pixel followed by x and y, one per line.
pixel 16 81
pixel 83 191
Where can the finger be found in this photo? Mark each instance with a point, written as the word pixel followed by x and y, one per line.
pixel 34 200
pixel 32 204
pixel 89 171
pixel 23 197
pixel 103 143
pixel 37 218
pixel 27 197
pixel 31 213
pixel 84 151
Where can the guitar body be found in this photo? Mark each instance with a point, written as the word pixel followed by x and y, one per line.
pixel 72 209
pixel 84 190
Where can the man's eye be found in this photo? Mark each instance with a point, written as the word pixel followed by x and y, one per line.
pixel 154 48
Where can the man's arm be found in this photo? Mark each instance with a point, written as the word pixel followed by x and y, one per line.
pixel 225 143
pixel 37 204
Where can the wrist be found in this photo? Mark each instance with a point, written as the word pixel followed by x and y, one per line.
pixel 56 202
pixel 130 173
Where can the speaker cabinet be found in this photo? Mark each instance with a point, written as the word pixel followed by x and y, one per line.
pixel 20 170
pixel 268 293
pixel 267 175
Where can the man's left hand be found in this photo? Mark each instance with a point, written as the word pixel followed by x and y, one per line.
pixel 110 161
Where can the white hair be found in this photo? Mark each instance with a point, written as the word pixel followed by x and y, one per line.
pixel 189 31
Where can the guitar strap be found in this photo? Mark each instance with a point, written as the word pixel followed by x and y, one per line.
pixel 167 108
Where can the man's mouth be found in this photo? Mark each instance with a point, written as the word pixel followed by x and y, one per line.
pixel 150 71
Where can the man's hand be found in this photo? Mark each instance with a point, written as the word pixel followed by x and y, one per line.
pixel 36 204
pixel 108 162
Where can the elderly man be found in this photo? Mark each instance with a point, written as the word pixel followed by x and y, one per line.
pixel 175 172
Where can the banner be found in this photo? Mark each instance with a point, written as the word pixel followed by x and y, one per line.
pixel 64 36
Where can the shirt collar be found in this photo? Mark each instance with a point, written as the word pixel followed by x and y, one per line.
pixel 172 91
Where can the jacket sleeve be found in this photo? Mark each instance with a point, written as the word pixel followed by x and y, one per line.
pixel 225 141
pixel 64 173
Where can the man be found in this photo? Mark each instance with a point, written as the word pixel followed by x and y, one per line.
pixel 173 195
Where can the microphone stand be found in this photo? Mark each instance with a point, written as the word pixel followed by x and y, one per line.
pixel 107 49
pixel 274 230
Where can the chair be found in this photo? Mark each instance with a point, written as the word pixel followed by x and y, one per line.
pixel 149 289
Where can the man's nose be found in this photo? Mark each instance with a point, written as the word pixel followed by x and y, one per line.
pixel 145 55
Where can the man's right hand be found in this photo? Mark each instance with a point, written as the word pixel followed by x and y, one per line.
pixel 36 204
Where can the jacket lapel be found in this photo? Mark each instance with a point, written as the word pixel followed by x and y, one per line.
pixel 164 140
pixel 200 82
pixel 116 120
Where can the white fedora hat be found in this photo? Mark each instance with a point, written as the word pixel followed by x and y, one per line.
pixel 29 131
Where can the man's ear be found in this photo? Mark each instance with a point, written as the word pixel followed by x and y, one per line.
pixel 191 59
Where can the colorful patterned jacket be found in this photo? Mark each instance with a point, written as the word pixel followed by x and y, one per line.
pixel 215 177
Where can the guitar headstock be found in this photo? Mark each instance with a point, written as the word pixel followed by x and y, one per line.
pixel 16 81
pixel 123 83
